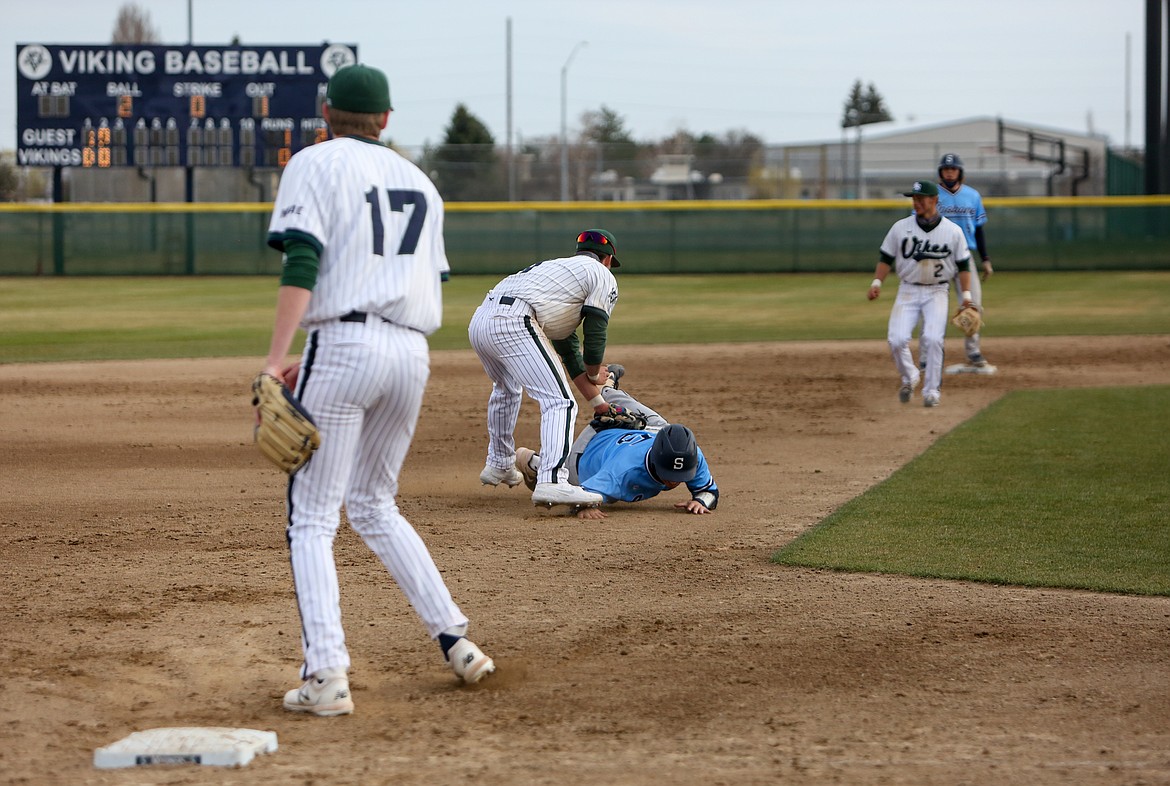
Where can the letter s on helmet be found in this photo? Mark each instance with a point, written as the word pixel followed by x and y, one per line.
pixel 950 160
pixel 674 456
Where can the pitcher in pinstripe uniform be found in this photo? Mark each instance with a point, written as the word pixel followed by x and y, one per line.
pixel 522 325
pixel 361 229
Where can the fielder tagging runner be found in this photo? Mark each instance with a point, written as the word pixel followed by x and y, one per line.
pixel 926 251
pixel 515 331
pixel 361 229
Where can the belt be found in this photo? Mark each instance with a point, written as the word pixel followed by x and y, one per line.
pixel 935 284
pixel 512 300
pixel 359 316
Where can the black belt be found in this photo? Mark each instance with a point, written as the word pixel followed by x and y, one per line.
pixel 359 316
pixel 507 300
pixel 935 284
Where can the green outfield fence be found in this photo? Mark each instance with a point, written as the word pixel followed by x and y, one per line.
pixel 780 236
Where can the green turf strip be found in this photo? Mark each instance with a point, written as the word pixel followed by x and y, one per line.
pixel 82 318
pixel 1066 488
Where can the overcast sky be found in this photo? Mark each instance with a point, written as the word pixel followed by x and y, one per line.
pixel 779 69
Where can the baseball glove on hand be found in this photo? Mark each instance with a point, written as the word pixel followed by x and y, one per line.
pixel 968 320
pixel 618 417
pixel 285 432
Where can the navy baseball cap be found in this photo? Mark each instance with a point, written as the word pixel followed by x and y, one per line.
pixel 600 241
pixel 358 88
pixel 922 188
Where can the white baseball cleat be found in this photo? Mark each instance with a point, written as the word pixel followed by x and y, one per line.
pixel 564 494
pixel 930 401
pixel 494 476
pixel 468 661
pixel 326 693
pixel 524 463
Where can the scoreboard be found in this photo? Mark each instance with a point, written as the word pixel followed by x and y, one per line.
pixel 149 106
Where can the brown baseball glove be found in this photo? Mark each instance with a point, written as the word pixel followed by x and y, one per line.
pixel 285 432
pixel 968 320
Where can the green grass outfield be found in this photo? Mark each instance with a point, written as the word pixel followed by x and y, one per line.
pixel 107 318
pixel 1055 495
pixel 1046 496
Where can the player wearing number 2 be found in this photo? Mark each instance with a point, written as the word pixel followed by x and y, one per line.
pixel 361 230
pixel 926 251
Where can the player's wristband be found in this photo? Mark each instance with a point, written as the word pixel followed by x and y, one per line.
pixel 597 401
pixel 877 282
pixel 966 294
pixel 593 377
pixel 704 498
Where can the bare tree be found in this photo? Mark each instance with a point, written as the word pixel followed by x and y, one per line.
pixel 133 26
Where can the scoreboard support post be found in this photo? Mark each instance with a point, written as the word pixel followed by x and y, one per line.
pixel 58 224
pixel 189 195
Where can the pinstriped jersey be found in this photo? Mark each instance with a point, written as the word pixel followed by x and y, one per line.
pixel 919 256
pixel 377 222
pixel 557 290
pixel 965 208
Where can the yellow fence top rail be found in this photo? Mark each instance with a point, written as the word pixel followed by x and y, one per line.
pixel 593 207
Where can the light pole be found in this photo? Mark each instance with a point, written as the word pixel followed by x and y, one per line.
pixel 564 123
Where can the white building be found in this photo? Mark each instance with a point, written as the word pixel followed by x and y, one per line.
pixel 1000 157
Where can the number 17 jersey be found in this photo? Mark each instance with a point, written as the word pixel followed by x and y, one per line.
pixel 377 223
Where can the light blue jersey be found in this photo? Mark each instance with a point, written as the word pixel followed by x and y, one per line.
pixel 965 208
pixel 615 465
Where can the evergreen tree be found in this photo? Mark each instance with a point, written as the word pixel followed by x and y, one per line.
pixel 465 167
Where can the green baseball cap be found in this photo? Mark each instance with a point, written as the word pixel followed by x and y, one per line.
pixel 358 88
pixel 600 241
pixel 922 188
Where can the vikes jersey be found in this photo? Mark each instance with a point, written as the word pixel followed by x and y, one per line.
pixel 562 289
pixel 921 257
pixel 377 223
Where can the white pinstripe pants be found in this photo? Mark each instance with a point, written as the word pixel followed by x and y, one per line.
pixel 517 356
pixel 363 383
pixel 912 303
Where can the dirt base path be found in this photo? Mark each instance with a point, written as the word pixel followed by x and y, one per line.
pixel 146 584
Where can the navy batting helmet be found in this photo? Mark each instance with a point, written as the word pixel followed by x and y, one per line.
pixel 674 456
pixel 951 160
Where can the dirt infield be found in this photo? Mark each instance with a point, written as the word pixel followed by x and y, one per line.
pixel 146 585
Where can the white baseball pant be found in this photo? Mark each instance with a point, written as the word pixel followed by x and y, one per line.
pixel 929 304
pixel 517 357
pixel 363 382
